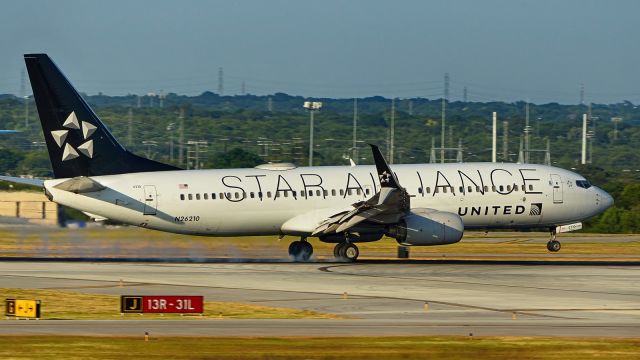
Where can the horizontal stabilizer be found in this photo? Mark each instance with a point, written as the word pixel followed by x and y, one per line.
pixel 23 181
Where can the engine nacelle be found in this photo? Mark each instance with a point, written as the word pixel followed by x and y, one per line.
pixel 423 227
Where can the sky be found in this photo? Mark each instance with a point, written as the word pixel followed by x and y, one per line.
pixel 500 50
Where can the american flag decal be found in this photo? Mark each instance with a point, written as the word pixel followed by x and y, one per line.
pixel 183 186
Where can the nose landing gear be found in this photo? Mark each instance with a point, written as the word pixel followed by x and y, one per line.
pixel 553 245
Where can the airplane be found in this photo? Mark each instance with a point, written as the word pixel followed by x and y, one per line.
pixel 416 204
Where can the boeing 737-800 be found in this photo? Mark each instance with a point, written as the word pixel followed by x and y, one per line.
pixel 417 204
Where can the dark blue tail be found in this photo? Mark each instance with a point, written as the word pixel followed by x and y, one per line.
pixel 79 143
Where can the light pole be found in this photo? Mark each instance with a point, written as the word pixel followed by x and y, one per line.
pixel 312 107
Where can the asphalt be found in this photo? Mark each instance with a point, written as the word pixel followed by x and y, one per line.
pixel 390 298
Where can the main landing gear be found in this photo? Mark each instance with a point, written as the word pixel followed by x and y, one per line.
pixel 553 245
pixel 300 250
pixel 346 251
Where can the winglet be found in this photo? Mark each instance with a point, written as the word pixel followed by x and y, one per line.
pixel 387 177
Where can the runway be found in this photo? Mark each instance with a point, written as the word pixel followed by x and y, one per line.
pixel 382 298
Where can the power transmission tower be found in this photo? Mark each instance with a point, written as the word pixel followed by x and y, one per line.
pixel 505 141
pixel 527 130
pixel 354 149
pixel 444 116
pixel 181 137
pixel 130 127
pixel 23 95
pixel 392 130
pixel 581 93
pixel 220 81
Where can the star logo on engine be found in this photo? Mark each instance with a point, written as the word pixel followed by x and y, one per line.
pixel 73 124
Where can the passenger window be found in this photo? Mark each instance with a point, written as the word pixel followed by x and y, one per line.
pixel 515 187
pixel 428 190
pixel 508 188
pixel 419 190
pixel 493 188
pixel 436 190
pixel 333 192
pixel 469 188
pixel 260 194
pixel 206 196
pixel 286 194
pixel 251 194
pixel 317 192
pixel 237 195
pixel 501 188
pixel 181 196
pixel 461 189
pixel 478 188
pixel 367 191
pixel 530 187
pixel 341 192
pixel 221 196
pixel 358 191
pixel 269 194
pixel 213 196
pixel 229 195
pixel 190 197
pixel 486 188
pixel 325 193
pixel 444 190
pixel 310 193
pixel 293 193
pixel 350 192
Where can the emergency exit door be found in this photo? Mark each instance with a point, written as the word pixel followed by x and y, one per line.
pixel 556 182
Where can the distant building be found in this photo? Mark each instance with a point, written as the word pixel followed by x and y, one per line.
pixel 18 207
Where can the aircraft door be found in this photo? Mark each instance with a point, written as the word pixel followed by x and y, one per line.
pixel 556 182
pixel 150 200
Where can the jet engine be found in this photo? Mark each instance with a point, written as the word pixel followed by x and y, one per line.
pixel 423 227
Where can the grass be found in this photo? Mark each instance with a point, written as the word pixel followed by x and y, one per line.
pixel 70 305
pixel 136 242
pixel 448 348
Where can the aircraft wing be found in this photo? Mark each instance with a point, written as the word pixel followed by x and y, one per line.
pixel 385 207
pixel 24 181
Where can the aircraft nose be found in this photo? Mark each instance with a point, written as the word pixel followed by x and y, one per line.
pixel 606 200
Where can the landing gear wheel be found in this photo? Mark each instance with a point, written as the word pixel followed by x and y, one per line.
pixel 336 250
pixel 553 245
pixel 346 251
pixel 350 252
pixel 300 250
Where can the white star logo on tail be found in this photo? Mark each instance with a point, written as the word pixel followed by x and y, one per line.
pixel 72 123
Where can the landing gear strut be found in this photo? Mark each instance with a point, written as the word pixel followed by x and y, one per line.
pixel 553 245
pixel 300 250
pixel 346 251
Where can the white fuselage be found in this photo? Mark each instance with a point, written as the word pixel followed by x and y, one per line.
pixel 263 202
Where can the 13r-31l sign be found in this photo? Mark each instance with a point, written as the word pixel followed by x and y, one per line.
pixel 161 304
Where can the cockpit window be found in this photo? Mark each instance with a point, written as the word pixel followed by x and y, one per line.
pixel 583 184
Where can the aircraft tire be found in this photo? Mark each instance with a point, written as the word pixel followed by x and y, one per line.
pixel 554 245
pixel 300 250
pixel 337 249
pixel 349 252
